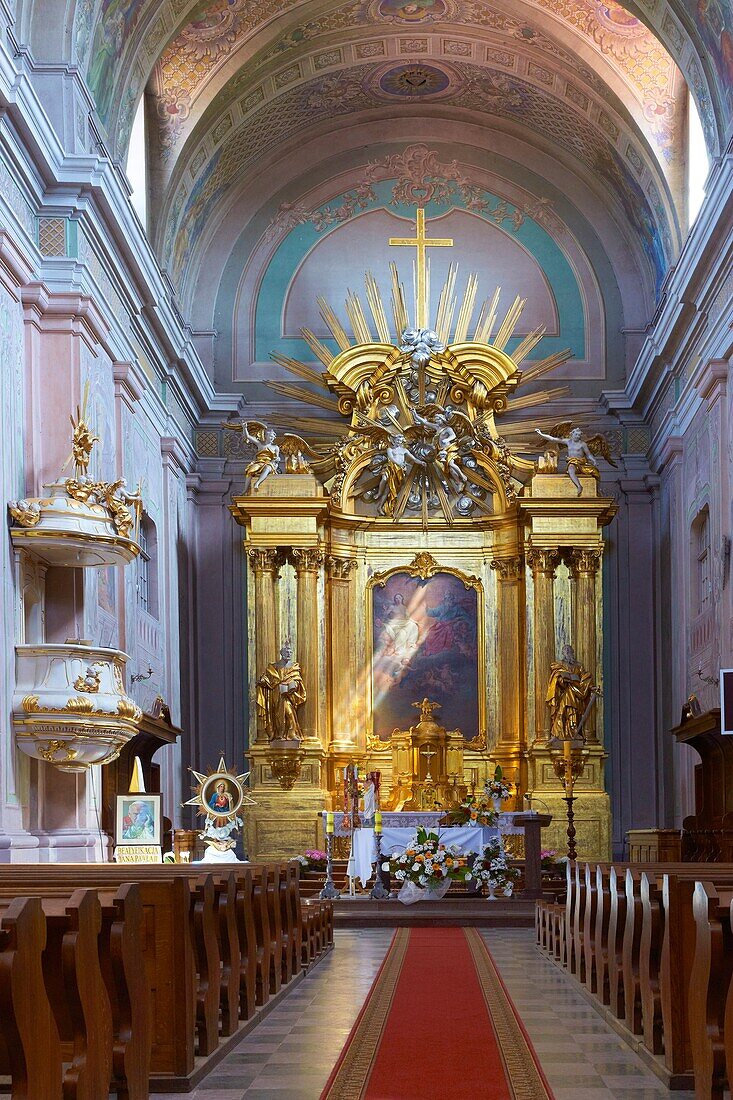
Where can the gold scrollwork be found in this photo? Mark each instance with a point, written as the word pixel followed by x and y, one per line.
pixel 424 566
pixel 479 743
pixel 48 753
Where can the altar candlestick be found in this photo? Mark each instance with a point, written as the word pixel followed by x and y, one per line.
pixel 329 822
pixel 378 821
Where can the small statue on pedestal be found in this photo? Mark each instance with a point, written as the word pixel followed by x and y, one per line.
pixel 220 796
pixel 570 696
pixel 269 451
pixel 280 694
pixel 580 451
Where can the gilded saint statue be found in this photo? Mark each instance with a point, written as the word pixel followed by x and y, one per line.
pixel 581 451
pixel 269 451
pixel 570 695
pixel 280 692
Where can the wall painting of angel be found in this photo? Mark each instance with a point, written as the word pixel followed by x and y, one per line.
pixel 425 643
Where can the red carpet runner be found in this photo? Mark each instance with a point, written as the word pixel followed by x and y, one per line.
pixel 438 1024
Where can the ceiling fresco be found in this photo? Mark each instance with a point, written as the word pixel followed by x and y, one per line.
pixel 191 66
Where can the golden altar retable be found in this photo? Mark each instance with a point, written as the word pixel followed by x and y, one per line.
pixel 429 473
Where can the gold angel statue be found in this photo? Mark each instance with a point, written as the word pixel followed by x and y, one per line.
pixel 446 429
pixel 269 451
pixel 581 452
pixel 391 441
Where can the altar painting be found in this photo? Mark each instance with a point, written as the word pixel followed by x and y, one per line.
pixel 425 643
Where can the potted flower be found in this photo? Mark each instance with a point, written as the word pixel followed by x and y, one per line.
pixel 313 860
pixel 498 788
pixel 493 870
pixel 550 862
pixel 427 867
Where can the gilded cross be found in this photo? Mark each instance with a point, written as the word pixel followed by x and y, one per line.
pixel 421 242
pixel 428 752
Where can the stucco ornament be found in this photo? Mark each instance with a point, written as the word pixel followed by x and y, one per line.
pixel 420 344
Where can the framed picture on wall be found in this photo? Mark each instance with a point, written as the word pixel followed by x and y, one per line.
pixel 138 819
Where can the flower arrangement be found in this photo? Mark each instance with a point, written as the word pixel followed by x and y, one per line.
pixel 428 863
pixel 492 869
pixel 498 787
pixel 476 810
pixel 313 860
pixel 551 861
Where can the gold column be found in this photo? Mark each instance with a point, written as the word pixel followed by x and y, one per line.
pixel 342 653
pixel 308 562
pixel 543 564
pixel 509 749
pixel 583 566
pixel 266 568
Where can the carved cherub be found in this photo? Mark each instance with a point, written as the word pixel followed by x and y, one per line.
pixel 269 451
pixel 580 451
pixel 445 426
pixel 25 512
pixel 118 501
pixel 392 442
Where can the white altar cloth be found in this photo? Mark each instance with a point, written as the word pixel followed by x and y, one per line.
pixel 470 838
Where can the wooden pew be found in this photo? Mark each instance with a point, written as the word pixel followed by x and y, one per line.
pixel 601 937
pixel 28 1033
pixel 710 994
pixel 167 949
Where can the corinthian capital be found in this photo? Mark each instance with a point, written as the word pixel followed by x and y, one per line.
pixel 264 560
pixel 508 568
pixel 307 559
pixel 584 562
pixel 543 561
pixel 340 568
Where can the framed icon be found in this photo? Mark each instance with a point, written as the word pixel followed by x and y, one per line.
pixel 138 819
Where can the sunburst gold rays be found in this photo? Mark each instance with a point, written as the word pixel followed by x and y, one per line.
pixel 294 366
pixel 297 393
pixel 399 309
pixel 530 341
pixel 376 305
pixel 507 326
pixel 487 319
pixel 328 431
pixel 541 397
pixel 446 305
pixel 357 319
pixel 466 311
pixel 541 367
pixel 319 349
pixel 333 324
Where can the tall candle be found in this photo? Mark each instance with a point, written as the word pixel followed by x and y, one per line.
pixel 329 822
pixel 378 821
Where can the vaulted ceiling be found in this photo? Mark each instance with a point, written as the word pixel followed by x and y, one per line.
pixel 262 111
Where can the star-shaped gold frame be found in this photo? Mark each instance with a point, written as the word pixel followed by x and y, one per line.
pixel 206 784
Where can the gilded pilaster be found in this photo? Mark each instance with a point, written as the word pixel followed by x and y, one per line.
pixel 509 749
pixel 265 564
pixel 308 562
pixel 584 565
pixel 342 652
pixel 543 563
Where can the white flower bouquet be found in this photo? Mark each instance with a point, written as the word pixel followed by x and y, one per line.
pixel 428 863
pixel 498 788
pixel 492 869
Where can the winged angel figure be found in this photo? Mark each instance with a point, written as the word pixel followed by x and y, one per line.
pixel 581 452
pixel 391 440
pixel 269 451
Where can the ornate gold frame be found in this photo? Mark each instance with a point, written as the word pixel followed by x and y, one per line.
pixel 425 566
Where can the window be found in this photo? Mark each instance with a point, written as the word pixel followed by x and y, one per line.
pixel 697 161
pixel 147 578
pixel 137 164
pixel 702 549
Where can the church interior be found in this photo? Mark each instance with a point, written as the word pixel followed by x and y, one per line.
pixel 366 708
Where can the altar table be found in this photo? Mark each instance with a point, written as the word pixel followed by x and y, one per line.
pixel 398 828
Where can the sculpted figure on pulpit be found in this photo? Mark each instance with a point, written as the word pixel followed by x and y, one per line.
pixel 570 695
pixel 280 692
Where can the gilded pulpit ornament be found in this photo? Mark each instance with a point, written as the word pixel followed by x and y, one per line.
pixel 219 796
pixel 581 452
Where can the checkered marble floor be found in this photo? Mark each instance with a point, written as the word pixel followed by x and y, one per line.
pixel 289 1056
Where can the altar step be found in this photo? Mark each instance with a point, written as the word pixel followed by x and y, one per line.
pixel 453 911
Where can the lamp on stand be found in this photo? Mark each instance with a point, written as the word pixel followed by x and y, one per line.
pixel 379 891
pixel 568 760
pixel 329 891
